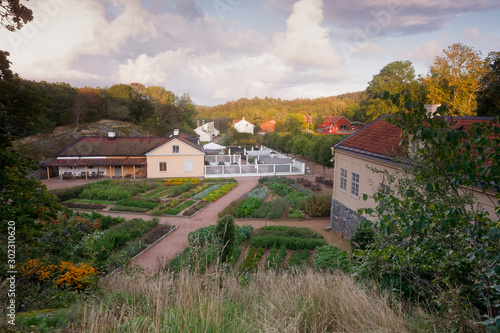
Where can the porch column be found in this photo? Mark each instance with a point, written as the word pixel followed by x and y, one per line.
pixel 73 172
pixel 122 172
pixel 86 173
pixel 134 170
pixel 60 171
pixel 110 172
pixel 48 174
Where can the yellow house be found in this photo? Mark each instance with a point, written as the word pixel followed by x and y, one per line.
pixel 376 146
pixel 177 155
pixel 176 158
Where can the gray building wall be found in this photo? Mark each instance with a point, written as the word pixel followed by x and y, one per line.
pixel 344 219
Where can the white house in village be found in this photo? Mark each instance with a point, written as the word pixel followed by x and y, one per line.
pixel 243 126
pixel 206 131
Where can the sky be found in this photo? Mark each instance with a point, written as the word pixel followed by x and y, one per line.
pixel 223 50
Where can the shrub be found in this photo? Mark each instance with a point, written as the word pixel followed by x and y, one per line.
pixel 231 208
pixel 295 214
pixel 262 211
pixel 278 208
pixel 64 194
pixel 361 239
pixel 247 207
pixel 330 258
pixel 225 234
pixel 318 205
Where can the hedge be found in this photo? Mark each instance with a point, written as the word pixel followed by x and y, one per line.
pixel 292 243
pixel 64 194
pixel 129 209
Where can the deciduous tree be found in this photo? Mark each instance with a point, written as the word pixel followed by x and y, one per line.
pixel 455 78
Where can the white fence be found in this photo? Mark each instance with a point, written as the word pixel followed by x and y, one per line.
pixel 248 170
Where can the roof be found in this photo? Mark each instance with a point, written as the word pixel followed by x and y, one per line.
pixel 380 139
pixel 331 119
pixel 119 146
pixel 75 162
pixel 269 121
pixel 242 119
pixel 377 139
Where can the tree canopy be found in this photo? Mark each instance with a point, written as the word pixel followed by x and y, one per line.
pixel 455 78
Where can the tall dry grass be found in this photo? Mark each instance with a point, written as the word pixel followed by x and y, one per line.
pixel 266 301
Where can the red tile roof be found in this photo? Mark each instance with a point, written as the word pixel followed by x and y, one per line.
pixel 378 137
pixel 381 139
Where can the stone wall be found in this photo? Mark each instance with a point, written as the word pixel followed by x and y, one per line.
pixel 344 219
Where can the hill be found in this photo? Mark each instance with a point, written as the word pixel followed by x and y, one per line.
pixel 42 147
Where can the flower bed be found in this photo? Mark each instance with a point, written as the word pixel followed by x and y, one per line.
pixel 220 192
pixel 206 191
pixel 82 205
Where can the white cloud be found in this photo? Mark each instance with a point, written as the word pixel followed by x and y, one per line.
pixel 62 31
pixel 306 42
pixel 471 34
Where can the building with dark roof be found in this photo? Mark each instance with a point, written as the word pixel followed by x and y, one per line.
pixel 177 155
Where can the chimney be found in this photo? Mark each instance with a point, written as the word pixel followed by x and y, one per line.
pixel 111 135
pixel 431 108
pixel 197 123
pixel 176 132
pixel 203 121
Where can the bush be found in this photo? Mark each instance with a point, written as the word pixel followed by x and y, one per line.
pixel 225 234
pixel 231 208
pixel 262 211
pixel 361 239
pixel 319 205
pixel 331 258
pixel 64 194
pixel 247 207
pixel 278 208
pixel 295 214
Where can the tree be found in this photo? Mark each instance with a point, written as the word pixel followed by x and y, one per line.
pixel 488 98
pixel 295 123
pixel 432 241
pixel 393 78
pixel 225 234
pixel 23 199
pixel 455 78
pixel 13 14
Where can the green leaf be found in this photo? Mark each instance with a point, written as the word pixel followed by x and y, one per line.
pixel 365 197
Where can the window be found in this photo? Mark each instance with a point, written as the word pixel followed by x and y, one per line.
pixel 163 166
pixel 343 127
pixel 355 184
pixel 188 166
pixel 175 149
pixel 343 179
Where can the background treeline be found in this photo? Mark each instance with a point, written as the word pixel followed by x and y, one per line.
pixel 29 107
pixel 460 76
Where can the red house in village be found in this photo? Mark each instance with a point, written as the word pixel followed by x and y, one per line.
pixel 267 126
pixel 336 125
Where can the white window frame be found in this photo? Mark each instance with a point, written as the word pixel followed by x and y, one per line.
pixel 343 180
pixel 355 184
pixel 186 169
pixel 176 151
pixel 160 164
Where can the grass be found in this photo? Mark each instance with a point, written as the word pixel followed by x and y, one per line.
pixel 267 301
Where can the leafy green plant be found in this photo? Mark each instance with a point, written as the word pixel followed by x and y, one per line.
pixel 331 258
pixel 262 211
pixel 247 207
pixel 278 208
pixel 291 237
pixel 295 214
pixel 259 193
pixel 319 205
pixel 251 260
pixel 231 208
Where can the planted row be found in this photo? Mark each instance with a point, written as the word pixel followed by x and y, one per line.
pixel 220 192
pixel 206 191
pixel 172 210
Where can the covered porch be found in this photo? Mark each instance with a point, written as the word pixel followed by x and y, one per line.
pixel 82 168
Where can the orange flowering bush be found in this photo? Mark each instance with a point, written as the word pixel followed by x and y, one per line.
pixel 64 275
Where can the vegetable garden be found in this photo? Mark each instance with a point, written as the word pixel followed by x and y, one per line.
pixel 176 196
